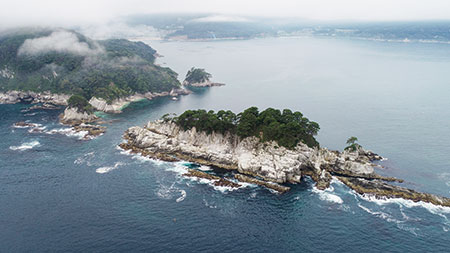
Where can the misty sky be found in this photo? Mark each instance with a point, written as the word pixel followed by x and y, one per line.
pixel 82 12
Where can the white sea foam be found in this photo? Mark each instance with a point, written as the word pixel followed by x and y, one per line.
pixel 25 146
pixel 208 204
pixel 401 224
pixel 177 167
pixel 222 189
pixel 182 197
pixel 84 159
pixel 37 129
pixel 167 191
pixel 445 177
pixel 204 168
pixel 435 209
pixel 380 214
pixel 82 135
pixel 30 125
pixel 326 195
pixel 103 170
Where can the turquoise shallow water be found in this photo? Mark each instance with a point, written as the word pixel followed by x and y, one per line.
pixel 393 96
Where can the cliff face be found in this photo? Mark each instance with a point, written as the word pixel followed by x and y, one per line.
pixel 72 116
pixel 268 161
pixel 118 104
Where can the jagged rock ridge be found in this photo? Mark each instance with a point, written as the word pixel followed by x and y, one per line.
pixel 267 161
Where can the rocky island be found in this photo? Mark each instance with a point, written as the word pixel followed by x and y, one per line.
pixel 269 148
pixel 197 77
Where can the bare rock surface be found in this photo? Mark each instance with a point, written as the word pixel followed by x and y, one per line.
pixel 267 163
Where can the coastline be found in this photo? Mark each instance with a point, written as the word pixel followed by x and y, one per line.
pixel 252 159
pixel 117 105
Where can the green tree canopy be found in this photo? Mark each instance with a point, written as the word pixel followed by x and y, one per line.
pixel 197 75
pixel 287 128
pixel 79 102
pixel 352 145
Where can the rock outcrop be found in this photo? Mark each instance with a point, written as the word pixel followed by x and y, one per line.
pixel 73 116
pixel 263 162
pixel 12 97
pixel 80 122
pixel 48 99
pixel 202 84
pixel 117 105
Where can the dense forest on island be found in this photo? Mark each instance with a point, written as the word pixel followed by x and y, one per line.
pixel 285 127
pixel 197 75
pixel 64 61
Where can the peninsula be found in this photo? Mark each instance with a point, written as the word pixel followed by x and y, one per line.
pixel 270 148
pixel 48 66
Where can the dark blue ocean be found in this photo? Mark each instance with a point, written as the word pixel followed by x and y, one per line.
pixel 60 193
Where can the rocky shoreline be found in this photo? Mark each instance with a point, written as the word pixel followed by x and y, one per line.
pixel 268 164
pixel 118 105
pixel 202 84
pixel 81 122
pixel 13 97
pixel 49 100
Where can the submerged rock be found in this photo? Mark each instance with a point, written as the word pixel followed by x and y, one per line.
pixel 92 130
pixel 273 186
pixel 218 181
pixel 381 190
pixel 45 106
pixel 23 124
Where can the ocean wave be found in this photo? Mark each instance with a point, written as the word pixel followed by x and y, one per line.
pixel 445 177
pixel 180 169
pixel 380 214
pixel 326 195
pixel 205 168
pixel 182 197
pixel 440 211
pixel 207 204
pixel 401 224
pixel 84 159
pixel 435 209
pixel 103 170
pixel 39 129
pixel 25 146
pixel 29 125
pixel 81 135
pixel 177 167
pixel 170 191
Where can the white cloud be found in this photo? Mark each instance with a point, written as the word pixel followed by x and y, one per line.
pixel 59 41
pixel 221 18
pixel 86 12
pixel 118 29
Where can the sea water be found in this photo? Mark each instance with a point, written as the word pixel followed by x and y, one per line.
pixel 61 193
